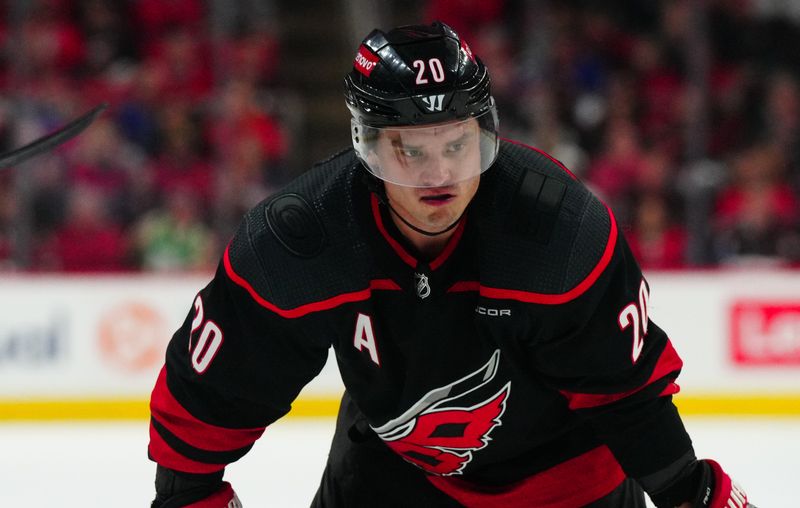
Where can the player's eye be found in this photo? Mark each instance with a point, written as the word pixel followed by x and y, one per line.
pixel 411 152
pixel 455 147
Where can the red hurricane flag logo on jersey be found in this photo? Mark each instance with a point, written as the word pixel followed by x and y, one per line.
pixel 439 436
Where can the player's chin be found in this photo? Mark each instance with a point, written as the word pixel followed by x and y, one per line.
pixel 441 219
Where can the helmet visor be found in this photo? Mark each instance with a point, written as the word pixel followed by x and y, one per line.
pixel 433 155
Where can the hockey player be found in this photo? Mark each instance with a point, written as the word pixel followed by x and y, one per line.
pixel 490 324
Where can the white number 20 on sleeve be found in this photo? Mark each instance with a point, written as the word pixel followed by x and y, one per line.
pixel 209 341
pixel 635 317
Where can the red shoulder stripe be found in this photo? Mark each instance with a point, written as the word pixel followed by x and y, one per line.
pixel 329 303
pixel 668 362
pixel 546 298
pixel 172 415
pixel 575 482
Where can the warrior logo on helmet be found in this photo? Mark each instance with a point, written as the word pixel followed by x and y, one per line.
pixel 439 435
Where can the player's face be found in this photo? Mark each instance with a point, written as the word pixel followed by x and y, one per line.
pixel 432 208
pixel 430 173
pixel 434 156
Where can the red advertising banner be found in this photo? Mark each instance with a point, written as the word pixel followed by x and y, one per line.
pixel 764 332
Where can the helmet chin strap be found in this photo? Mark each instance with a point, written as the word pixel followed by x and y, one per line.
pixel 377 188
pixel 422 231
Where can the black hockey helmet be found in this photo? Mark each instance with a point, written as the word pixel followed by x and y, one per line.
pixel 420 76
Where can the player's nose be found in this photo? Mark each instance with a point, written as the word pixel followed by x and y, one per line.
pixel 438 173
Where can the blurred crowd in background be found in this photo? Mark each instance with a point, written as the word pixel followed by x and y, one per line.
pixel 683 115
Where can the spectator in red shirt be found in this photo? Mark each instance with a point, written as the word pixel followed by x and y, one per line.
pixel 155 17
pixel 757 175
pixel 466 16
pixel 241 116
pixel 657 241
pixel 757 213
pixel 616 171
pixel 102 159
pixel 87 241
pixel 50 41
pixel 184 61
pixel 180 164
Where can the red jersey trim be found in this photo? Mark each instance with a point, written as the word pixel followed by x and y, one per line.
pixel 545 298
pixel 464 286
pixel 174 417
pixel 407 258
pixel 555 161
pixel 668 362
pixel 451 245
pixel 575 482
pixel 404 255
pixel 384 284
pixel 327 304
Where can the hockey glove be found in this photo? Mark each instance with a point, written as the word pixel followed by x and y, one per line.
pixel 717 490
pixel 180 490
pixel 705 485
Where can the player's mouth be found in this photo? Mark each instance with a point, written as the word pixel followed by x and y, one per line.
pixel 438 199
pixel 437 196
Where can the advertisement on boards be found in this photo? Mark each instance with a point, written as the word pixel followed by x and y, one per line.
pixel 765 332
pixel 87 337
pixel 105 337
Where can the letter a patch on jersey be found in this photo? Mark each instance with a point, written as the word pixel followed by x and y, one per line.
pixel 364 337
pixel 440 435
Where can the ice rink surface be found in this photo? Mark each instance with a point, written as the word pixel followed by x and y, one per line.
pixel 80 465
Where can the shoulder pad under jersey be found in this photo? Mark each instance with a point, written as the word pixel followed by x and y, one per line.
pixel 542 231
pixel 303 245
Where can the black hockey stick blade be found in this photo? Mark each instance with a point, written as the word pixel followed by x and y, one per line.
pixel 51 140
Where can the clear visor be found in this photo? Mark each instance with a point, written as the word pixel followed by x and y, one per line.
pixel 434 155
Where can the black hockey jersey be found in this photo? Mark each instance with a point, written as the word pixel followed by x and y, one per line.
pixel 521 356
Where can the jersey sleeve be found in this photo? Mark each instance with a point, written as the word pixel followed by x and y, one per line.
pixel 231 369
pixel 617 368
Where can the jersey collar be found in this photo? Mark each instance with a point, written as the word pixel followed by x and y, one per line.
pixel 403 252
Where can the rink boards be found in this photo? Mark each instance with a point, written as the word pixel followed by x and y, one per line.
pixel 91 347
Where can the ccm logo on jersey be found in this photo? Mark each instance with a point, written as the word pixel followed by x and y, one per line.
pixel 486 311
pixel 440 434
